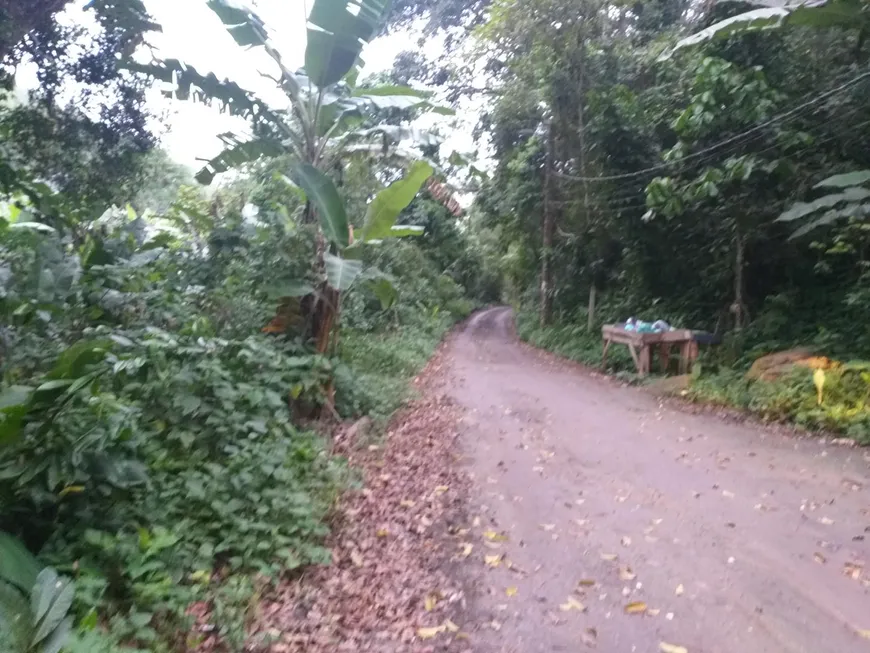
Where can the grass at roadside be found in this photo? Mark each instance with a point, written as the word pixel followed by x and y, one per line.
pixel 381 365
pixel 574 342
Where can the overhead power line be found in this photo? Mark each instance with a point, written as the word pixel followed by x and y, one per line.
pixel 728 141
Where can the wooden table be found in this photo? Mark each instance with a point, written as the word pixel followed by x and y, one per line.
pixel 641 346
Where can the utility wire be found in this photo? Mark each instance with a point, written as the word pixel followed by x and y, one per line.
pixel 618 195
pixel 615 208
pixel 738 137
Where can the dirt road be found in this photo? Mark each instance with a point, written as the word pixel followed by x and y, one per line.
pixel 734 539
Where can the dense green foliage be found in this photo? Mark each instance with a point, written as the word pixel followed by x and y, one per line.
pixel 166 351
pixel 151 432
pixel 718 185
pixel 163 357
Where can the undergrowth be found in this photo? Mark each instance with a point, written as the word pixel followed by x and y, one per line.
pixel 844 407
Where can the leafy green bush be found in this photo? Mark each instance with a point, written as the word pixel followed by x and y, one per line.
pixel 793 397
pixel 151 457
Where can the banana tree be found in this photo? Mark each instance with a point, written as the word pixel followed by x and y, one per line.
pixel 323 124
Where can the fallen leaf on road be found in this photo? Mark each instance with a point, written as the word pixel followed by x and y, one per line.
pixel 852 570
pixel 382 532
pixel 548 527
pixel 572 604
pixel 609 557
pixel 441 489
pixel 406 503
pixel 467 548
pixel 625 573
pixel 864 633
pixel 493 536
pixel 590 637
pixel 827 521
pixel 679 591
pixel 626 541
pixel 586 582
pixel 727 494
pixel 356 559
pixel 430 602
pixel 664 647
pixel 451 627
pixel 818 557
pixel 429 633
pixel 492 561
pixel 653 612
pixel 635 607
pixel 511 591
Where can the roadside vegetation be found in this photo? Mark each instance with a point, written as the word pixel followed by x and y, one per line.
pixel 174 353
pixel 175 345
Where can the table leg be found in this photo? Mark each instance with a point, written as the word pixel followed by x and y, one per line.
pixel 604 353
pixel 685 353
pixel 636 360
pixel 664 356
pixel 644 360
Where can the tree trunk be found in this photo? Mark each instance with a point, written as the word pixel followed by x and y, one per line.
pixel 581 134
pixel 739 307
pixel 19 17
pixel 548 227
pixel 590 321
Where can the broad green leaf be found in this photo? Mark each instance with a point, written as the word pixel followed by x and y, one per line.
pixel 338 118
pixel 238 154
pixel 241 22
pixel 337 32
pixel 404 230
pixel 391 89
pixel 388 204
pixel 855 178
pixel 321 192
pixel 754 20
pixel 74 360
pixel 59 637
pixel 43 593
pixel 341 272
pixel 62 593
pixel 829 217
pixel 384 290
pixel 18 566
pixel 184 82
pixel 32 226
pixel 293 288
pixel 16 626
pixel 778 13
pixel 802 209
